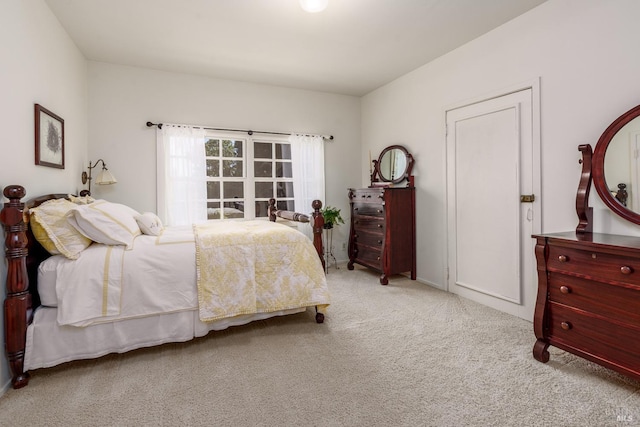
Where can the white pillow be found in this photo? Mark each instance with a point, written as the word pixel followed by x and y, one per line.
pixel 105 222
pixel 149 223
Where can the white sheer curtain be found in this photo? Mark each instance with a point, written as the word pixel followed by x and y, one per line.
pixel 307 155
pixel 182 171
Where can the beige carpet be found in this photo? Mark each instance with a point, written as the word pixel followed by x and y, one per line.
pixel 401 355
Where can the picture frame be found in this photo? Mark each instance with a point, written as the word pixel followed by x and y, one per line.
pixel 49 131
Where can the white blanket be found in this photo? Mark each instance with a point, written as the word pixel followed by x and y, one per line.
pixel 158 275
pixel 107 283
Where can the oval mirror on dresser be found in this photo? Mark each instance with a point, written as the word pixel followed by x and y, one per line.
pixel 615 166
pixel 392 167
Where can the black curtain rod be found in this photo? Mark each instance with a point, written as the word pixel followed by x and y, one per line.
pixel 250 132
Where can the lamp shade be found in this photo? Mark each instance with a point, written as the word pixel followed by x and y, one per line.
pixel 313 6
pixel 105 177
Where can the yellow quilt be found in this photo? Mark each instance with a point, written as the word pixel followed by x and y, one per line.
pixel 256 266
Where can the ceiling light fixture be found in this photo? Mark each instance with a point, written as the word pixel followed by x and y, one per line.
pixel 313 6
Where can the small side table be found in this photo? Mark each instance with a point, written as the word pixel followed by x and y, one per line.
pixel 328 249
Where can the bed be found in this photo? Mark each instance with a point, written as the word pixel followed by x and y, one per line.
pixel 107 291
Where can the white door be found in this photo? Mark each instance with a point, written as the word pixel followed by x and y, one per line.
pixel 490 161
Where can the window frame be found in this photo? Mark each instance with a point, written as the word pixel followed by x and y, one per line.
pixel 249 179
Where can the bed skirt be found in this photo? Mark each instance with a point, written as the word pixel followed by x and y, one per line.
pixel 49 344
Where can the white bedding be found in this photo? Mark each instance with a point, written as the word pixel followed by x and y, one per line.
pixel 107 283
pixel 122 307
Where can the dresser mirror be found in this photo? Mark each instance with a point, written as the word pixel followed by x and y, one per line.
pixel 392 167
pixel 615 168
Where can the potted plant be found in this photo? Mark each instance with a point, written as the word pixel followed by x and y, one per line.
pixel 331 216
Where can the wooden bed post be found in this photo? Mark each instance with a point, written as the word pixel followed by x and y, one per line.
pixel 17 304
pixel 317 224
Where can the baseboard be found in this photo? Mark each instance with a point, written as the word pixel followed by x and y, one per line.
pixel 5 387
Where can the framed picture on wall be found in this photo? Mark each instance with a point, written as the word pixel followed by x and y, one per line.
pixel 49 138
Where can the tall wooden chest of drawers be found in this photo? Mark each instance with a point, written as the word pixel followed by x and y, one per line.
pixel 383 230
pixel 589 298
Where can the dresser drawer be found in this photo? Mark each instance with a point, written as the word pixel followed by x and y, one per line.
pixel 620 302
pixel 368 238
pixel 367 195
pixel 369 209
pixel 594 265
pixel 600 337
pixel 368 223
pixel 369 255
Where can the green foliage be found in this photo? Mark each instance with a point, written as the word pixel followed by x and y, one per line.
pixel 331 215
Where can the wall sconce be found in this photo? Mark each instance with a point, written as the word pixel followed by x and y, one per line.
pixel 104 177
pixel 313 6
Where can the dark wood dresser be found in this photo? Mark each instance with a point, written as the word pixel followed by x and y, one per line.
pixel 383 232
pixel 589 298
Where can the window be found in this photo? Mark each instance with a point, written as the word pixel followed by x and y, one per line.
pixel 209 175
pixel 244 173
pixel 226 175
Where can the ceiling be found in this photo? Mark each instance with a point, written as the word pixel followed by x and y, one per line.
pixel 352 47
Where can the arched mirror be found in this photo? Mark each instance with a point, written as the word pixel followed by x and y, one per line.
pixel 392 167
pixel 616 166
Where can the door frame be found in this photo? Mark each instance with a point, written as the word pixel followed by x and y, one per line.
pixel 536 207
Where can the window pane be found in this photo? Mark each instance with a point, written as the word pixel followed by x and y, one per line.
pixel 233 190
pixel 284 189
pixel 264 190
pixel 234 210
pixel 212 148
pixel 285 205
pixel 213 190
pixel 283 151
pixel 283 170
pixel 213 210
pixel 213 167
pixel 262 169
pixel 232 168
pixel 231 148
pixel 262 150
pixel 262 209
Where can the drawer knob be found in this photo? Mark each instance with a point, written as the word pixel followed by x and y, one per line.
pixel 355 209
pixel 626 270
pixel 563 258
pixel 379 242
pixel 565 290
pixel 379 210
pixel 566 325
pixel 378 258
pixel 381 196
pixel 379 225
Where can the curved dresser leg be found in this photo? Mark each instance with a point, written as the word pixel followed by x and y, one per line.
pixel 350 265
pixel 540 352
pixel 384 280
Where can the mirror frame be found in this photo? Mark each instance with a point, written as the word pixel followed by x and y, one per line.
pixel 406 175
pixel 599 181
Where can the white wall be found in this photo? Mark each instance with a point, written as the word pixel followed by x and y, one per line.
pixel 123 99
pixel 38 64
pixel 583 53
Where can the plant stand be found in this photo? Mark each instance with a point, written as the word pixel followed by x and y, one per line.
pixel 328 249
